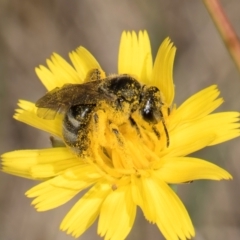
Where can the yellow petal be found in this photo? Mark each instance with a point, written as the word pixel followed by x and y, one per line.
pixel 209 130
pixel 135 57
pixel 47 77
pixel 50 197
pixel 83 62
pixel 27 114
pixel 142 198
pixel 180 145
pixel 82 172
pixel 85 211
pixel 225 125
pixel 58 190
pixel 199 105
pixel 163 70
pixel 126 53
pixel 184 169
pixel 161 205
pixel 59 73
pixel 172 214
pixel 21 163
pixel 48 170
pixel 145 58
pixel 117 214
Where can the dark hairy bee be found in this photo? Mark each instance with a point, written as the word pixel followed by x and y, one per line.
pixel 122 95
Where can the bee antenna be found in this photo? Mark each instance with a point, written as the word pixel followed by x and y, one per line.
pixel 165 128
pixel 166 132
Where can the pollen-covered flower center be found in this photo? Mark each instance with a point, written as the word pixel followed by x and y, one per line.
pixel 118 151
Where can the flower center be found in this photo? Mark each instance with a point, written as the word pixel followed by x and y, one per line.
pixel 129 149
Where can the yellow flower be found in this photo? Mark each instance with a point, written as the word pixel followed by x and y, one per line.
pixel 129 169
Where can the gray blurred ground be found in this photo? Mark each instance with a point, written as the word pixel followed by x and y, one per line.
pixel 31 30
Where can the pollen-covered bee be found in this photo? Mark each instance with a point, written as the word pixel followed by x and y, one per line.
pixel 122 96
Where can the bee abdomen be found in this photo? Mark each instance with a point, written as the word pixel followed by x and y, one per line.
pixel 75 127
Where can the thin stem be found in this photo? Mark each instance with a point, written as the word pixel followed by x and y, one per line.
pixel 225 29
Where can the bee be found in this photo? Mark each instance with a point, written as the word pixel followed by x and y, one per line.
pixel 121 95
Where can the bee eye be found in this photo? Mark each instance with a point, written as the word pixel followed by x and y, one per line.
pixel 148 114
pixel 150 105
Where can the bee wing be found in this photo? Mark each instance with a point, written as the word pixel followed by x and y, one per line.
pixel 59 100
pixel 47 113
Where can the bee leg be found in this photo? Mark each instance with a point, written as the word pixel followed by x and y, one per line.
pixel 168 111
pixel 157 133
pixel 99 120
pixel 118 136
pixel 134 124
pixel 120 147
pixel 165 128
pixel 56 142
pixel 166 132
pixel 93 75
pixel 117 139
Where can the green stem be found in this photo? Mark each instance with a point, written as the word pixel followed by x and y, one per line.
pixel 225 29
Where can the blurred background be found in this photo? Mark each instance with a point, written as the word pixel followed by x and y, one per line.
pixel 31 30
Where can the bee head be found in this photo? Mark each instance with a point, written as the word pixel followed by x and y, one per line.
pixel 150 104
